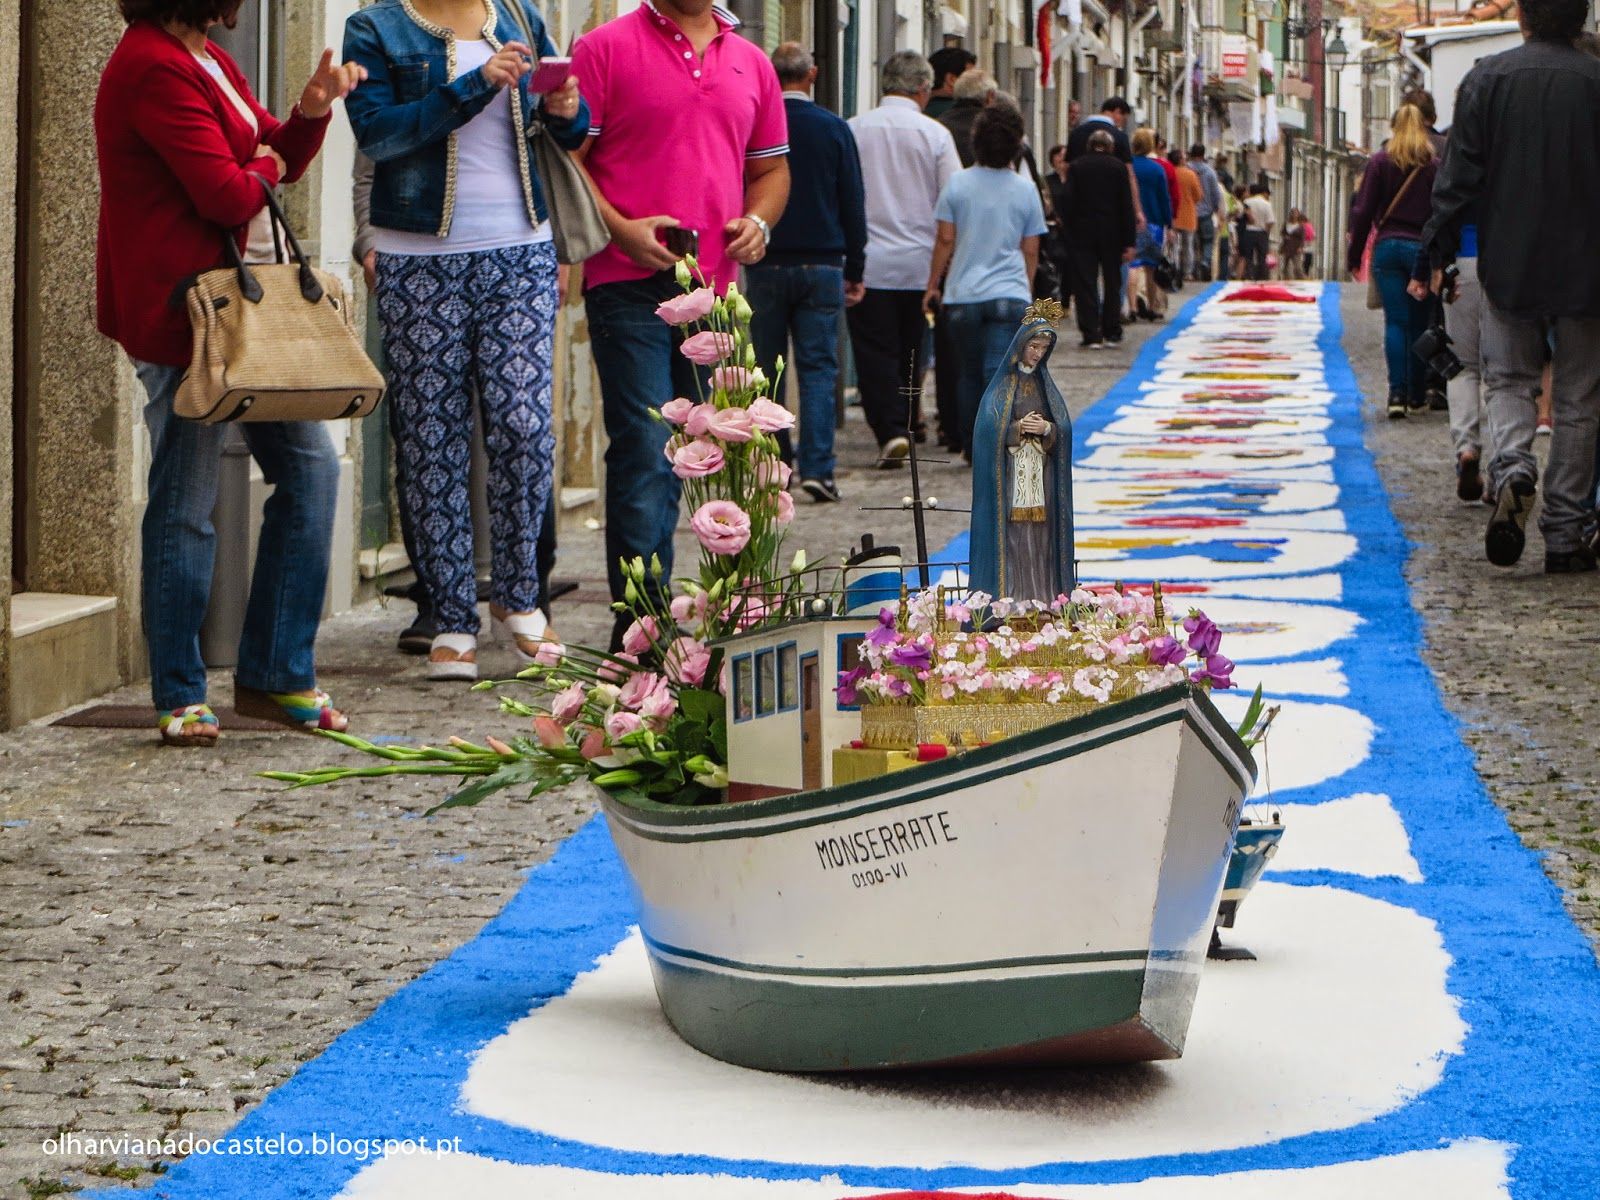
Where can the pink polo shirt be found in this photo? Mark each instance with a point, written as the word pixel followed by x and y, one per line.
pixel 672 132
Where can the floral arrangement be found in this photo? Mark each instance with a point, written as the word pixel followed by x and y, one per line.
pixel 648 721
pixel 1094 646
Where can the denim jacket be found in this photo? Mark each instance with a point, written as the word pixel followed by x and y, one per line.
pixel 406 114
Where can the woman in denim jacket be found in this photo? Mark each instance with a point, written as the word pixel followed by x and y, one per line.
pixel 466 289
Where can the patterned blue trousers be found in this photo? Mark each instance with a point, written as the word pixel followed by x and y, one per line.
pixel 454 324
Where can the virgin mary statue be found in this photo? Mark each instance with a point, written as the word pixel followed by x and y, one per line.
pixel 1022 543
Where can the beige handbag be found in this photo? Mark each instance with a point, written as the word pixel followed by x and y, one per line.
pixel 274 342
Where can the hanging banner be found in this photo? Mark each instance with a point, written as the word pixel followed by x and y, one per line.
pixel 1047 20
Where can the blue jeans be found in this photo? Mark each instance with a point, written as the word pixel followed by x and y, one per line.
pixel 803 301
pixel 636 356
pixel 1404 319
pixel 452 321
pixel 277 647
pixel 981 334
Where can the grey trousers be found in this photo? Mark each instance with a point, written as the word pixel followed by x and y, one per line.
pixel 1513 351
pixel 1462 318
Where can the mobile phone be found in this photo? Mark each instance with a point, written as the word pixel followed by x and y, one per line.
pixel 681 241
pixel 550 74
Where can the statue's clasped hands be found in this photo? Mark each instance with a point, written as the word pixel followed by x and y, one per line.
pixel 1035 426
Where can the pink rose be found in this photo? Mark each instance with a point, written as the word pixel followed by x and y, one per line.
pixel 785 508
pixel 677 411
pixel 681 310
pixel 568 703
pixel 613 672
pixel 687 661
pixel 620 724
pixel 722 526
pixel 640 636
pixel 549 654
pixel 638 687
pixel 649 695
pixel 707 348
pixel 689 610
pixel 733 379
pixel 699 420
pixel 772 472
pixel 769 416
pixel 731 425
pixel 697 459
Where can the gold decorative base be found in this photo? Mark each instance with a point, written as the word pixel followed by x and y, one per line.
pixel 901 726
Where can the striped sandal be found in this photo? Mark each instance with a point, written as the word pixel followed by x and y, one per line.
pixel 294 709
pixel 195 725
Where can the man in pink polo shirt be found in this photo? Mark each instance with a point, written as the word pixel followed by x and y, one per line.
pixel 687 130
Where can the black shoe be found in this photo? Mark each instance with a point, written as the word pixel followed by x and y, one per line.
pixel 1569 562
pixel 1397 408
pixel 417 638
pixel 920 433
pixel 1091 344
pixel 1114 339
pixel 1505 537
pixel 1437 401
pixel 823 491
pixel 1142 310
pixel 1469 481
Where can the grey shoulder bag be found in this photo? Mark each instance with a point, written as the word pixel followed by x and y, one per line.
pixel 575 222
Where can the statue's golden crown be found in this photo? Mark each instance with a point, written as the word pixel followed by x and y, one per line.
pixel 1049 310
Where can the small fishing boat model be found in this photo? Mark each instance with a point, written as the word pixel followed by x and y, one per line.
pixel 1047 898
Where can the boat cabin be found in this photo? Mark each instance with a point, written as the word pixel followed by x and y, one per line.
pixel 784 717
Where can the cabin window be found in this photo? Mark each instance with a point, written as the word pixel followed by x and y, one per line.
pixel 743 689
pixel 849 649
pixel 788 677
pixel 766 683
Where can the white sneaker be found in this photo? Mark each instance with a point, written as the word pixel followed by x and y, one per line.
pixel 895 452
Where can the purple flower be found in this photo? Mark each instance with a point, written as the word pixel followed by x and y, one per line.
pixel 914 655
pixel 846 691
pixel 1205 639
pixel 1218 672
pixel 1166 651
pixel 885 634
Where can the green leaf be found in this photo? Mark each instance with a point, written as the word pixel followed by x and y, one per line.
pixel 698 704
pixel 1251 715
pixel 519 771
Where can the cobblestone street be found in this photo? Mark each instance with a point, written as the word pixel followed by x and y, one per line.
pixel 178 936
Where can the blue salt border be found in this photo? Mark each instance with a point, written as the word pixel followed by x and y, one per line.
pixel 1527 982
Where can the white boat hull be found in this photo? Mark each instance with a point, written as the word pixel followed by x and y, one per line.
pixel 1048 898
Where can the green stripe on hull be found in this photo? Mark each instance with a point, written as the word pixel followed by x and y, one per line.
pixel 783 1025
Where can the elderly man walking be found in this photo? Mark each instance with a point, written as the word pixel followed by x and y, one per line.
pixel 1210 209
pixel 906 159
pixel 1524 150
pixel 813 265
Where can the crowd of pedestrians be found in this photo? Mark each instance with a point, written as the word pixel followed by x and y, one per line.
pixel 923 224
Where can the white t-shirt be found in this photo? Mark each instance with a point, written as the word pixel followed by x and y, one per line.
pixel 1258 211
pixel 906 160
pixel 258 245
pixel 490 211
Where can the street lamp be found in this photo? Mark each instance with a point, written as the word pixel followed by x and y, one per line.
pixel 1336 53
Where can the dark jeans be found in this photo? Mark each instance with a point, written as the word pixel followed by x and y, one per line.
pixel 982 334
pixel 290 579
pixel 886 332
pixel 1253 247
pixel 1224 256
pixel 1097 291
pixel 1205 237
pixel 803 302
pixel 1404 319
pixel 636 356
pixel 946 388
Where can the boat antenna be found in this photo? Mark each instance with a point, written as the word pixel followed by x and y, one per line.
pixel 921 527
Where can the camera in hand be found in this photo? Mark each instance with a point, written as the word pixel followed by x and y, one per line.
pixel 1433 348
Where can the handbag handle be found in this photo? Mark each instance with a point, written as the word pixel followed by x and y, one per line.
pixel 249 285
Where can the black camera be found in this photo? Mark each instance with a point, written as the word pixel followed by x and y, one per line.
pixel 1433 348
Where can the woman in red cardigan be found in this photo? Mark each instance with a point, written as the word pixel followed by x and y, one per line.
pixel 185 154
